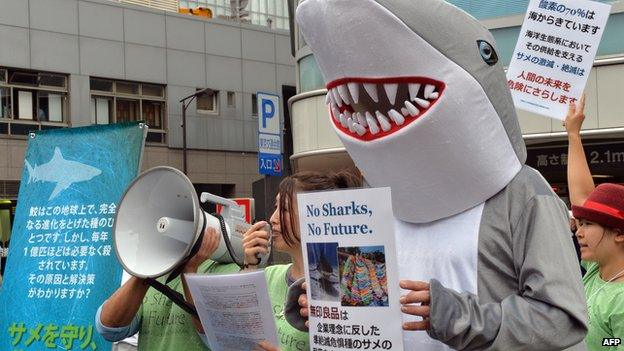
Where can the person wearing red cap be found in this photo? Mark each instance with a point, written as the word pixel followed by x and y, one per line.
pixel 600 219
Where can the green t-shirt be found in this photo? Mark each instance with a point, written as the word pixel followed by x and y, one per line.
pixel 290 338
pixel 167 327
pixel 605 302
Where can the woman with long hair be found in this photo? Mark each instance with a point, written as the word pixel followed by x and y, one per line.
pixel 286 238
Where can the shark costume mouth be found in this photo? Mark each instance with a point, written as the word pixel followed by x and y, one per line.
pixel 370 109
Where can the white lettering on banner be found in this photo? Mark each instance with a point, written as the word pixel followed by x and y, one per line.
pixel 65 238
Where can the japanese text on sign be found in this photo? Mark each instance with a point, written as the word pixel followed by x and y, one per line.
pixel 63 238
pixel 557 45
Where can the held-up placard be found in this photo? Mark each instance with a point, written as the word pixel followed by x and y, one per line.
pixel 350 264
pixel 555 54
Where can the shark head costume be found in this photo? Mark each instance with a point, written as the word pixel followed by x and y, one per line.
pixel 420 101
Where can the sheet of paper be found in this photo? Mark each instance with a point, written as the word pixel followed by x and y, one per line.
pixel 555 54
pixel 234 309
pixel 350 264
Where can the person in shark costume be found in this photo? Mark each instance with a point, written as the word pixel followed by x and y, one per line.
pixel 420 101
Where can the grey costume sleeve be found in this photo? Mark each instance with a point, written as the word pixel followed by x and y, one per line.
pixel 548 312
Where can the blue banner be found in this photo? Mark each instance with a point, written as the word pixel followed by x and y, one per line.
pixel 62 264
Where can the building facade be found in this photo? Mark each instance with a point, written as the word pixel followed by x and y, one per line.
pixel 70 63
pixel 316 145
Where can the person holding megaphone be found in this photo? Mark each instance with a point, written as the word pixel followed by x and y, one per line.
pixel 162 325
pixel 161 233
pixel 284 224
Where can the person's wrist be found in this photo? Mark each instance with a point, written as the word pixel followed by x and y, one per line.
pixel 190 267
pixel 574 135
pixel 249 263
pixel 248 266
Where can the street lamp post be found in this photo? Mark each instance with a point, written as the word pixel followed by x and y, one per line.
pixel 186 101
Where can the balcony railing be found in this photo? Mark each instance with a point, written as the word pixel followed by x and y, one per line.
pixel 251 14
pixel 167 5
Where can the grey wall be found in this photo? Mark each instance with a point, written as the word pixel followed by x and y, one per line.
pixel 103 38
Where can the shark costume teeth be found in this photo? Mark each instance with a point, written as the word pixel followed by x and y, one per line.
pixel 398 94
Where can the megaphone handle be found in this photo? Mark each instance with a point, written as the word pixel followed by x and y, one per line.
pixel 174 296
pixel 228 244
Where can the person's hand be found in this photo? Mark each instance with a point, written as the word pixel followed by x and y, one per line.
pixel 576 116
pixel 266 346
pixel 303 302
pixel 255 242
pixel 209 245
pixel 416 303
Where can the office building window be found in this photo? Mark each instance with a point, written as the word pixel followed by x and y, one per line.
pixel 5 102
pixel 101 109
pixel 268 13
pixel 254 104
pixel 128 110
pixel 152 112
pixel 31 100
pixel 208 102
pixel 121 101
pixel 231 99
pixel 50 107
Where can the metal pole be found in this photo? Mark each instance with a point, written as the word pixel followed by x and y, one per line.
pixel 186 101
pixel 267 204
pixel 184 136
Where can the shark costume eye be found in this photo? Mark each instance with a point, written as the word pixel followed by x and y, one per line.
pixel 487 52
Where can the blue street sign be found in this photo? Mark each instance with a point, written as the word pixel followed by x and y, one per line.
pixel 269 135
pixel 270 164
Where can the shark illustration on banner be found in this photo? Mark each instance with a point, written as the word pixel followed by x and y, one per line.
pixel 61 171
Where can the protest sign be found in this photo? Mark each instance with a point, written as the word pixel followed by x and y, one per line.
pixel 62 264
pixel 555 54
pixel 350 264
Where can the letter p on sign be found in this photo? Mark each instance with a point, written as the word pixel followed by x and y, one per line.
pixel 269 118
pixel 268 111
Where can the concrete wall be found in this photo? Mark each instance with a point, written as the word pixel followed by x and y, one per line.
pixel 100 38
pixel 105 39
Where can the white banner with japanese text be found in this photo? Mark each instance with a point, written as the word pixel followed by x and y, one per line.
pixel 555 53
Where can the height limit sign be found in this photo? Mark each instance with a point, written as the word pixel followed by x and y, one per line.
pixel 269 135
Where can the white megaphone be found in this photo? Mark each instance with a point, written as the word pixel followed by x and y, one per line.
pixel 159 225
